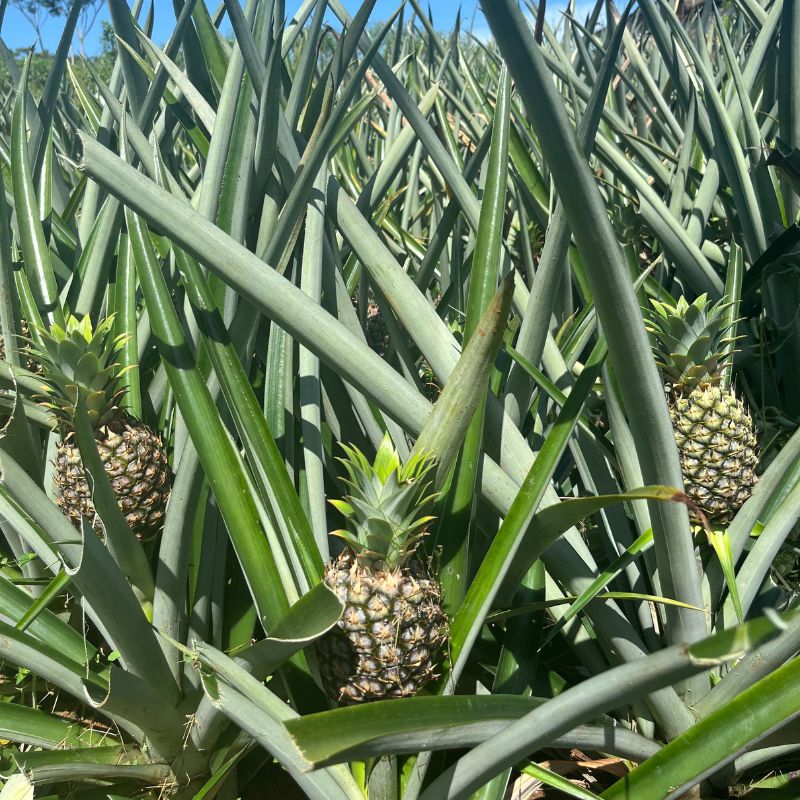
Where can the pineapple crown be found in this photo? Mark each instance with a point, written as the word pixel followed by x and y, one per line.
pixel 79 362
pixel 690 341
pixel 385 503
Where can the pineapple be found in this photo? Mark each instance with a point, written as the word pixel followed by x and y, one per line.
pixel 78 362
pixel 375 331
pixel 714 431
pixel 393 627
pixel 377 334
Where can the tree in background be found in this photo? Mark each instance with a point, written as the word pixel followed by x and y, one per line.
pixel 37 12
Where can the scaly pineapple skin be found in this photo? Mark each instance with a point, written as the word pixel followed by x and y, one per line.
pixel 718 449
pixel 388 640
pixel 377 334
pixel 135 461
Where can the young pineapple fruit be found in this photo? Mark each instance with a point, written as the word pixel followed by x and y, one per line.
pixel 393 627
pixel 377 334
pixel 375 331
pixel 714 431
pixel 79 362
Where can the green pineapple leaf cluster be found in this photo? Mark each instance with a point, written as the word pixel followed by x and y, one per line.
pixel 383 507
pixel 690 341
pixel 79 361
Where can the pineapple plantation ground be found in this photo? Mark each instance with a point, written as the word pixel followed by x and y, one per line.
pixel 395 413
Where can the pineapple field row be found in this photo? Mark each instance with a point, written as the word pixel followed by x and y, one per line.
pixel 398 414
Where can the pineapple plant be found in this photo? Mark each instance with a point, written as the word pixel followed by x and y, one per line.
pixel 393 626
pixel 713 428
pixel 78 362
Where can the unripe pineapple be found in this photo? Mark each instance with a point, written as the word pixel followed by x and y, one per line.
pixel 393 627
pixel 375 331
pixel 714 431
pixel 79 362
pixel 377 334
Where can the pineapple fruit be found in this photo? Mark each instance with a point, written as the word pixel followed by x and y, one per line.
pixel 375 330
pixel 713 429
pixel 377 334
pixel 393 627
pixel 79 362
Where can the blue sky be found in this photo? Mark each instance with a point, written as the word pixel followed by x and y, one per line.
pixel 17 32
